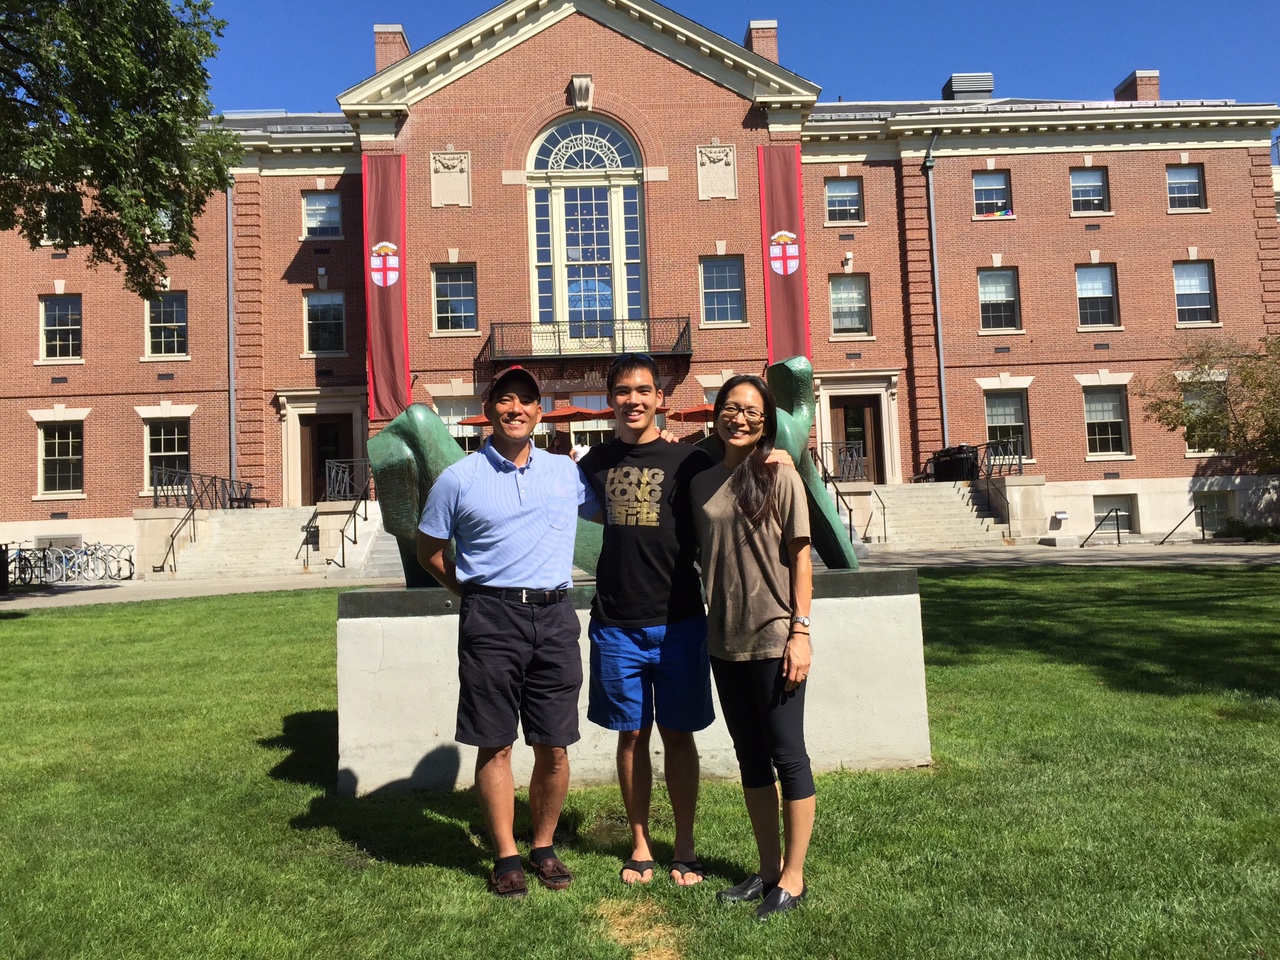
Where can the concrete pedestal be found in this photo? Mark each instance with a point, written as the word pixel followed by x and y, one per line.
pixel 398 688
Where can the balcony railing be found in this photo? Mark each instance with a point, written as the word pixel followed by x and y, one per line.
pixel 842 461
pixel 346 480
pixel 660 336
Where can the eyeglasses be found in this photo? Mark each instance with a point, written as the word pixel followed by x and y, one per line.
pixel 730 411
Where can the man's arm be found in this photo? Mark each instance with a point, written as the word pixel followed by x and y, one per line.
pixel 431 554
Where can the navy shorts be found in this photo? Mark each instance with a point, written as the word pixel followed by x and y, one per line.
pixel 517 662
pixel 642 673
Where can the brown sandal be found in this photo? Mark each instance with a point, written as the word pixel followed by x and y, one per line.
pixel 552 874
pixel 510 884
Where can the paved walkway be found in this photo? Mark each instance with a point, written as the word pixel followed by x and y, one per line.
pixel 1180 554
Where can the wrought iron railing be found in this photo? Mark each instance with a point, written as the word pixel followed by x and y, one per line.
pixel 1113 512
pixel 660 336
pixel 1002 458
pixel 171 487
pixel 842 461
pixel 347 480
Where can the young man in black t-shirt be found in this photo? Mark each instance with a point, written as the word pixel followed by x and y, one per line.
pixel 648 628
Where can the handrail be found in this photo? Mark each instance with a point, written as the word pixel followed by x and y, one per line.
pixel 173 487
pixel 1198 506
pixel 363 500
pixel 343 479
pixel 1117 511
pixel 884 517
pixel 308 529
pixel 172 552
pixel 1008 511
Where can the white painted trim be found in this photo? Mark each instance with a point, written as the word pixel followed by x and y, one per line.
pixel 1005 381
pixel 305 401
pixel 167 410
pixel 59 413
pixel 1103 378
pixel 850 383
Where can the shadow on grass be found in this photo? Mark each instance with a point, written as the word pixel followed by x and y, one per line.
pixel 12 614
pixel 393 824
pixel 1142 629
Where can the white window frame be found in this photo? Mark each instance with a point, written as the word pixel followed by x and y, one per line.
pixel 836 207
pixel 322 298
pixel 840 301
pixel 1211 292
pixel 1192 390
pixel 1102 270
pixel 436 299
pixel 149 305
pixel 1016 300
pixel 998 208
pixel 42 491
pixel 321 221
pixel 1220 509
pixel 737 294
pixel 1122 397
pixel 1024 427
pixel 1084 199
pixel 78 356
pixel 1176 199
pixel 147 453
pixel 453 409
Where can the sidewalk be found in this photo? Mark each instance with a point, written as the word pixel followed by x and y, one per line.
pixel 1179 554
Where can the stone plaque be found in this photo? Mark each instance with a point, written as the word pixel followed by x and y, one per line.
pixel 717 172
pixel 451 179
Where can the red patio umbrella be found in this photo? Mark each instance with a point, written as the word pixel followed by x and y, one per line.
pixel 702 413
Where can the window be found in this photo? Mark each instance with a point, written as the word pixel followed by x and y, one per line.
pixel 167 325
pixel 1106 420
pixel 1121 510
pixel 1089 190
pixel 455 298
pixel 326 321
pixel 722 300
pixel 1205 406
pixel 991 195
pixel 1213 509
pixel 588 223
pixel 1193 290
pixel 844 200
pixel 850 303
pixel 62 213
pixel 591 432
pixel 998 299
pixel 1186 187
pixel 168 451
pixel 454 409
pixel 1007 422
pixel 62 458
pixel 1096 296
pixel 60 323
pixel 322 214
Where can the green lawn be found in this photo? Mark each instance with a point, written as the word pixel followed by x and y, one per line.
pixel 1107 764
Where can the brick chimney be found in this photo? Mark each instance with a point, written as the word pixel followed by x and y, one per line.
pixel 389 45
pixel 762 39
pixel 1139 85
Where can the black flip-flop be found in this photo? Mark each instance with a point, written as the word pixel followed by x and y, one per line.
pixel 639 866
pixel 693 866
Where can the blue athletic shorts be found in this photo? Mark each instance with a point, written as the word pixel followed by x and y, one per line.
pixel 639 674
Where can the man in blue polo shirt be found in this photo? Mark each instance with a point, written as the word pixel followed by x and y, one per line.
pixel 511 511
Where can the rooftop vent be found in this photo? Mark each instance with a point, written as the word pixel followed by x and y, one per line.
pixel 969 86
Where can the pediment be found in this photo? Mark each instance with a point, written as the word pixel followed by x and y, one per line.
pixel 393 91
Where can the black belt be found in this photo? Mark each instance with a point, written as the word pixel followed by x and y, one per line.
pixel 537 598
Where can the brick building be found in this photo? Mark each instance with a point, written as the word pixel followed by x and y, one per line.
pixel 582 179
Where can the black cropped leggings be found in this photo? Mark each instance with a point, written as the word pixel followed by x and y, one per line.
pixel 766 724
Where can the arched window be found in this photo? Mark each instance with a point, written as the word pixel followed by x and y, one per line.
pixel 586 208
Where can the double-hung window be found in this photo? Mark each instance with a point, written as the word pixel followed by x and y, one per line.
pixel 1193 291
pixel 722 290
pixel 168 451
pixel 1205 406
pixel 62 457
pixel 991 196
pixel 844 200
pixel 167 325
pixel 1096 296
pixel 60 323
pixel 850 304
pixel 455 298
pixel 1007 422
pixel 998 299
pixel 1186 187
pixel 1089 190
pixel 322 214
pixel 326 321
pixel 1106 420
pixel 452 410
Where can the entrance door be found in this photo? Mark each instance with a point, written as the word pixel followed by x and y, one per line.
pixel 855 452
pixel 325 437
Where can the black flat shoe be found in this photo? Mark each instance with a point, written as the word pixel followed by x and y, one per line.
pixel 752 888
pixel 778 900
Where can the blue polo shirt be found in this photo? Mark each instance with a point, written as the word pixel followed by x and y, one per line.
pixel 511 526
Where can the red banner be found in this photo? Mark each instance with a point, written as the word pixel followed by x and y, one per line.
pixel 786 283
pixel 386 299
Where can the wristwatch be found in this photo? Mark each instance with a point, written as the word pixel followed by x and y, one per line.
pixel 803 621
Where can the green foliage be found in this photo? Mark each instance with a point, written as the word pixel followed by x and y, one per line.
pixel 1225 395
pixel 106 139
pixel 1254 533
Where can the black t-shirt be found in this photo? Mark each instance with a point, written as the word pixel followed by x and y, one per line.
pixel 646 574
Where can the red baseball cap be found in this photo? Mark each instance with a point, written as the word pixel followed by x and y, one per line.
pixel 504 377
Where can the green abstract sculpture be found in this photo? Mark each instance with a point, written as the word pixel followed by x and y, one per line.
pixel 412 450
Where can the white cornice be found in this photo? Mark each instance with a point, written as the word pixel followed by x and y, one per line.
pixel 700 50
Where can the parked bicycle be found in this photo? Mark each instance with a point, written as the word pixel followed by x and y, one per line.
pixel 90 563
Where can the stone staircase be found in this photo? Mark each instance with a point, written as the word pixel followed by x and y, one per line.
pixel 247 543
pixel 379 559
pixel 930 515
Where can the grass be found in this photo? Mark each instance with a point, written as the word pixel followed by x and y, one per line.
pixel 1106 747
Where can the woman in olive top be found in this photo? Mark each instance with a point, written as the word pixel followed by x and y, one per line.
pixel 753 529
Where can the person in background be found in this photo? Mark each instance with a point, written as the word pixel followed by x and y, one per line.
pixel 752 523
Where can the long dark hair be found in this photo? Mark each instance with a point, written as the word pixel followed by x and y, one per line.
pixel 753 480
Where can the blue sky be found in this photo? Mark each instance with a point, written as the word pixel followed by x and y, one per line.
pixel 297 56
